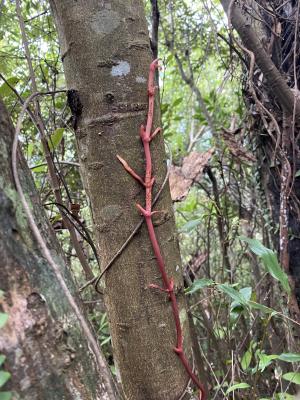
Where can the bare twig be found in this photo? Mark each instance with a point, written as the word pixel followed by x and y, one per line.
pixel 146 136
pixel 70 163
pixel 86 236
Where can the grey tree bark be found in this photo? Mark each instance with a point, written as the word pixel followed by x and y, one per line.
pixel 106 55
pixel 46 352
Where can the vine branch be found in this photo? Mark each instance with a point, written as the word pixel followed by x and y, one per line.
pixel 95 281
pixel 147 212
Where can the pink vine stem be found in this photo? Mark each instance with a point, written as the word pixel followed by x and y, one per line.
pixel 148 182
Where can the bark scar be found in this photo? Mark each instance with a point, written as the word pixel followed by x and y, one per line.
pixel 75 106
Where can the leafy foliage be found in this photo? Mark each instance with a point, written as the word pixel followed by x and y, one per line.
pixel 235 295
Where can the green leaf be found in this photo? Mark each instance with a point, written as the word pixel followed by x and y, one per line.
pixel 270 261
pixel 55 138
pixel 177 101
pixel 284 396
pixel 199 284
pixel 289 357
pixel 199 117
pixel 234 294
pixel 191 225
pixel 261 307
pixel 293 377
pixel 274 268
pixel 113 370
pixel 169 58
pixel 4 377
pixel 246 359
pixel 265 360
pixel 242 385
pixel 246 292
pixel 104 316
pixel 5 395
pixel 3 319
pixel 106 340
pixel 39 168
pixel 30 148
pixel 164 107
pixel 297 174
pixel 5 90
pixel 2 359
pixel 255 245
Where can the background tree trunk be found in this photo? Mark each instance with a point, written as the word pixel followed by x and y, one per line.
pixel 47 353
pixel 106 55
pixel 278 94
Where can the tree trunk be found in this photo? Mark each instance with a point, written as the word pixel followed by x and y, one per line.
pixel 271 40
pixel 106 55
pixel 46 352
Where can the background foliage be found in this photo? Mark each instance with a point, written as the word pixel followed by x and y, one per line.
pixel 236 290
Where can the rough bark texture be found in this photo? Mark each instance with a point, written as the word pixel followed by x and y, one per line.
pixel 46 352
pixel 106 54
pixel 251 40
pixel 276 62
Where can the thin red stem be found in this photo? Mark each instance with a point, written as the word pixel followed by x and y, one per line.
pixel 147 212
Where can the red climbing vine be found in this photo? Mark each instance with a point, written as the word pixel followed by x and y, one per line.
pixel 148 182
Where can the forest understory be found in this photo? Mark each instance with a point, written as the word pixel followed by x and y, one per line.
pixel 149 200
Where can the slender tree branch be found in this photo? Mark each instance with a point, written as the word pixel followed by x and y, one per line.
pixel 220 222
pixel 86 235
pixel 70 163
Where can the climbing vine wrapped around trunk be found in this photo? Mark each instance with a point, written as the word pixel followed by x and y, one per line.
pixel 148 182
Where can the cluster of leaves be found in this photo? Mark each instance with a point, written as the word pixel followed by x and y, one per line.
pixel 254 361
